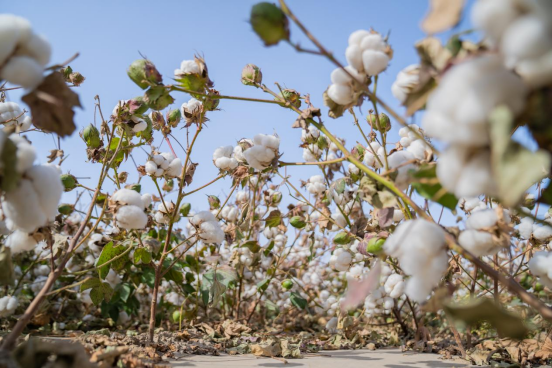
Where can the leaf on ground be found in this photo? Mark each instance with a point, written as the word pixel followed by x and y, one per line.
pixel 443 14
pixel 485 309
pixel 515 168
pixel 52 104
pixel 270 348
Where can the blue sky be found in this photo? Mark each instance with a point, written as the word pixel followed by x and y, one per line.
pixel 109 35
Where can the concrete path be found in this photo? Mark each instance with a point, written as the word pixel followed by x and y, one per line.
pixel 385 358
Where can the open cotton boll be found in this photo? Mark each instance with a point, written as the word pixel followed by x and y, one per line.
pixel 139 124
pixel 259 157
pixel 466 172
pixel 394 285
pixel 12 111
pixel 20 207
pixel 398 160
pixel 369 158
pixel 112 278
pixel 127 197
pixel 541 266
pixel 269 141
pixel 211 232
pixel 542 232
pixel 316 184
pixel 193 106
pixel 175 168
pixel 22 71
pixel 442 127
pixel 527 37
pixel 406 80
pixel 47 185
pixel 536 72
pixel 479 243
pixel 187 67
pixel 374 61
pixel 419 149
pixel 340 94
pixel 9 36
pixel 147 200
pixel 19 241
pixel 340 76
pixel 150 167
pixel 222 158
pixel 203 216
pixel 312 153
pixel 26 153
pixel 356 37
pixel 494 17
pixel 339 220
pixel 37 47
pixel 131 217
pixel 225 151
pixel 353 54
pixel 420 248
pixel 8 305
pixel 482 219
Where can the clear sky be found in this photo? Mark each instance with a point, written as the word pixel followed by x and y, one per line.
pixel 111 34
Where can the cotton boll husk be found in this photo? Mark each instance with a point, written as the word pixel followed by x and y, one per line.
pixel 374 61
pixel 479 243
pixel 36 47
pixel 22 71
pixel 19 241
pixel 19 206
pixel 47 184
pixel 353 54
pixel 527 37
pixel 340 94
pixel 131 217
pixel 175 168
pixel 128 197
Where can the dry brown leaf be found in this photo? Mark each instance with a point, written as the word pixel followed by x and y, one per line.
pixel 443 14
pixel 52 104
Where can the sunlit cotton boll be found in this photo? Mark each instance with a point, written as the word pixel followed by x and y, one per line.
pixel 312 153
pixel 316 184
pixel 370 159
pixel 420 248
pixel 131 217
pixel 23 71
pixel 541 266
pixel 10 111
pixel 127 196
pixel 466 171
pixel 187 67
pixel 400 160
pixel 19 241
pixel 222 158
pixel 407 79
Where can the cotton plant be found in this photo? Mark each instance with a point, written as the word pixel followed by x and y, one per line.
pixel 163 164
pixel 222 158
pixel 128 207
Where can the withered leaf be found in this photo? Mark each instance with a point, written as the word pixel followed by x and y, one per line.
pixel 52 104
pixel 443 14
pixel 385 216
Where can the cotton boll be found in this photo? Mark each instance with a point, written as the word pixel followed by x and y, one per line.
pixel 47 184
pixel 479 243
pixel 19 241
pixel 225 151
pixel 353 54
pixel 8 305
pixel 406 80
pixel 259 157
pixel 175 168
pixel 150 167
pixel 369 158
pixel 340 76
pixel 374 61
pixel 131 217
pixel 541 266
pixel 127 196
pixel 25 154
pixel 398 215
pixel 339 220
pixel 482 219
pixel 269 141
pixel 399 161
pixel 340 94
pixel 536 72
pixel 187 67
pixel 357 36
pixel 211 232
pixel 9 36
pixel 373 41
pixel 542 233
pixel 19 206
pixel 147 199
pixel 203 216
pixel 22 71
pixel 112 278
pixel 312 153
pixel 139 125
pixel 316 184
pixel 494 17
pixel 419 149
pixel 443 127
pixel 527 37
pixel 36 47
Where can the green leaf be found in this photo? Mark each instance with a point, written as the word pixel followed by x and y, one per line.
pixel 269 248
pixel 142 255
pixel 124 291
pixel 252 245
pixel 339 185
pixel 148 276
pixel 192 263
pixel 108 253
pixel 90 283
pixel 101 292
pixel 10 176
pixel 515 168
pixel 274 218
pixel 271 306
pixel 215 283
pixel 485 309
pixel 174 274
pixel 263 285
pixel 427 185
pixel 297 300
